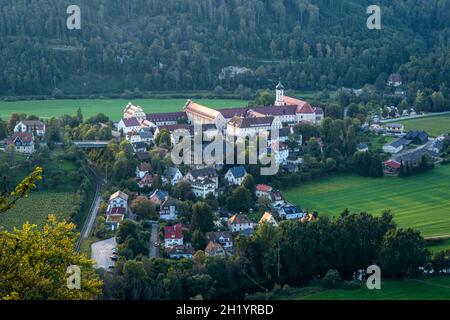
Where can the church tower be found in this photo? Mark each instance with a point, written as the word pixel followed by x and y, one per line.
pixel 279 101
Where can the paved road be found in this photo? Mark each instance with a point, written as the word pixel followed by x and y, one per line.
pixel 101 252
pixel 154 251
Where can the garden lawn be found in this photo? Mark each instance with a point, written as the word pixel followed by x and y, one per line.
pixel 37 207
pixel 434 125
pixel 433 288
pixel 421 201
pixel 113 108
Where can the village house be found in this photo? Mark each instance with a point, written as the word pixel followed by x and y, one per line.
pixel 240 222
pixel 392 167
pixel 214 249
pixel 281 151
pixel 394 80
pixel 173 175
pixel 290 212
pixel 395 128
pixel 203 186
pixel 263 190
pixel 146 135
pixel 180 252
pixel 225 239
pixel 277 198
pixel 168 211
pixel 147 181
pixel 36 127
pixel 132 111
pixel 417 137
pixel 22 142
pixel 129 125
pixel 236 175
pixel 395 146
pixel 207 172
pixel 143 169
pixel 158 197
pixel 268 218
pixel 118 199
pixel 173 235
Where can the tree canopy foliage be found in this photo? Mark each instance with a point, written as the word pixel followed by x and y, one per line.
pixel 137 45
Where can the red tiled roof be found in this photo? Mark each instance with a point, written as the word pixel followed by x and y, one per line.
pixel 25 137
pixel 174 232
pixel 263 188
pixel 239 219
pixel 393 164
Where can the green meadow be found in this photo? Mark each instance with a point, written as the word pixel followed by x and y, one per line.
pixel 421 202
pixel 427 288
pixel 433 125
pixel 113 108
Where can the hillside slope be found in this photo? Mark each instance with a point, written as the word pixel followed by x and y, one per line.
pixel 184 44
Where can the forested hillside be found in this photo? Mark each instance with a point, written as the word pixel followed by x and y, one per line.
pixel 184 45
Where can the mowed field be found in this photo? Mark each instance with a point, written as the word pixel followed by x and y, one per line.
pixel 421 202
pixel 434 126
pixel 432 288
pixel 113 108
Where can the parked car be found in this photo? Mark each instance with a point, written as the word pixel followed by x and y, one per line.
pixel 156 244
pixel 114 257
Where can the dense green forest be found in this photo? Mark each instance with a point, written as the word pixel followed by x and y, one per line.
pixel 184 45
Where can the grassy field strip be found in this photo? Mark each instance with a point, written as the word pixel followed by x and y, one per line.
pixel 111 107
pixel 421 201
pixel 437 288
pixel 434 125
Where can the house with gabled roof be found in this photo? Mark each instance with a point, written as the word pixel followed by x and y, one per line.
pixel 214 249
pixel 225 238
pixel 240 222
pixel 36 127
pixel 203 173
pixel 173 235
pixel 268 218
pixel 263 190
pixel 22 142
pixel 290 212
pixel 173 175
pixel 236 175
pixel 129 125
pixel 118 199
pixel 158 197
pixel 142 169
pixel 168 210
pixel 180 252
